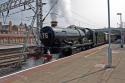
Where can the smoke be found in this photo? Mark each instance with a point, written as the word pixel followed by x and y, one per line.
pixel 63 7
pixel 54 12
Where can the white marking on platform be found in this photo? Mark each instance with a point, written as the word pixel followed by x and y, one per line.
pixel 115 52
pixel 100 65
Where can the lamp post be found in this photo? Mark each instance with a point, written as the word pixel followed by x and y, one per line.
pixel 109 65
pixel 121 29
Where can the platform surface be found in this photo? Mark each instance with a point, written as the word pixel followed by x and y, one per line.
pixel 83 67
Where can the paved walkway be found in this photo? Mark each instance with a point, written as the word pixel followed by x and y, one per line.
pixel 84 67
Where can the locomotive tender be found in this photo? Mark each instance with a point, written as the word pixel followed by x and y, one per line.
pixel 65 40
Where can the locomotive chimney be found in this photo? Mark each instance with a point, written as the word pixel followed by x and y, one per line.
pixel 54 23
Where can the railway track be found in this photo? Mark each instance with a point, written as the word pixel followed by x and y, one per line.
pixel 11 57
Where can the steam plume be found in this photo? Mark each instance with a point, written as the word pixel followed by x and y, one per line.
pixel 54 12
pixel 65 8
pixel 62 6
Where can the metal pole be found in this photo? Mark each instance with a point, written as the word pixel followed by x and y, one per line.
pixel 121 30
pixel 109 47
pixel 39 23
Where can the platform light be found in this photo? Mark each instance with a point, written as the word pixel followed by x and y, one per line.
pixel 121 29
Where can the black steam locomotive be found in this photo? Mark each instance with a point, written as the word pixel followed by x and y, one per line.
pixel 66 40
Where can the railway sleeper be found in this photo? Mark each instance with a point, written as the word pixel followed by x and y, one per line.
pixel 13 63
pixel 12 56
pixel 8 57
pixel 11 59
pixel 6 53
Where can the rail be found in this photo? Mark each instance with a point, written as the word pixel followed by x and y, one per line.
pixel 11 58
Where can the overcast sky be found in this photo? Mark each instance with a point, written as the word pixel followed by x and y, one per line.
pixel 91 13
pixel 96 11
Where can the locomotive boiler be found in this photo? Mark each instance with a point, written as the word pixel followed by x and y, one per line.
pixel 60 36
pixel 65 40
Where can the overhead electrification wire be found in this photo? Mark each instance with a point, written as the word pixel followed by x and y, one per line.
pixel 84 18
pixel 50 10
pixel 8 11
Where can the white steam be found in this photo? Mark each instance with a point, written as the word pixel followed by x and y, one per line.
pixel 54 12
pixel 65 8
pixel 61 6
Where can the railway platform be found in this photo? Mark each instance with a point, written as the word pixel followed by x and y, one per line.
pixel 83 67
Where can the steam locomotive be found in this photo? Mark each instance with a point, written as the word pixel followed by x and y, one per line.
pixel 66 40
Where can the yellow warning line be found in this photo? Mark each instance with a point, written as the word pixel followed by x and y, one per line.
pixel 99 49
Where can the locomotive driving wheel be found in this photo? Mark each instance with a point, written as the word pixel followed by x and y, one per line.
pixel 65 52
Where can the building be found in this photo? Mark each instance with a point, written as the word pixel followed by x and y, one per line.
pixel 14 34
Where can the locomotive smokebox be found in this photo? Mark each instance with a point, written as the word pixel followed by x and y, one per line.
pixel 54 23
